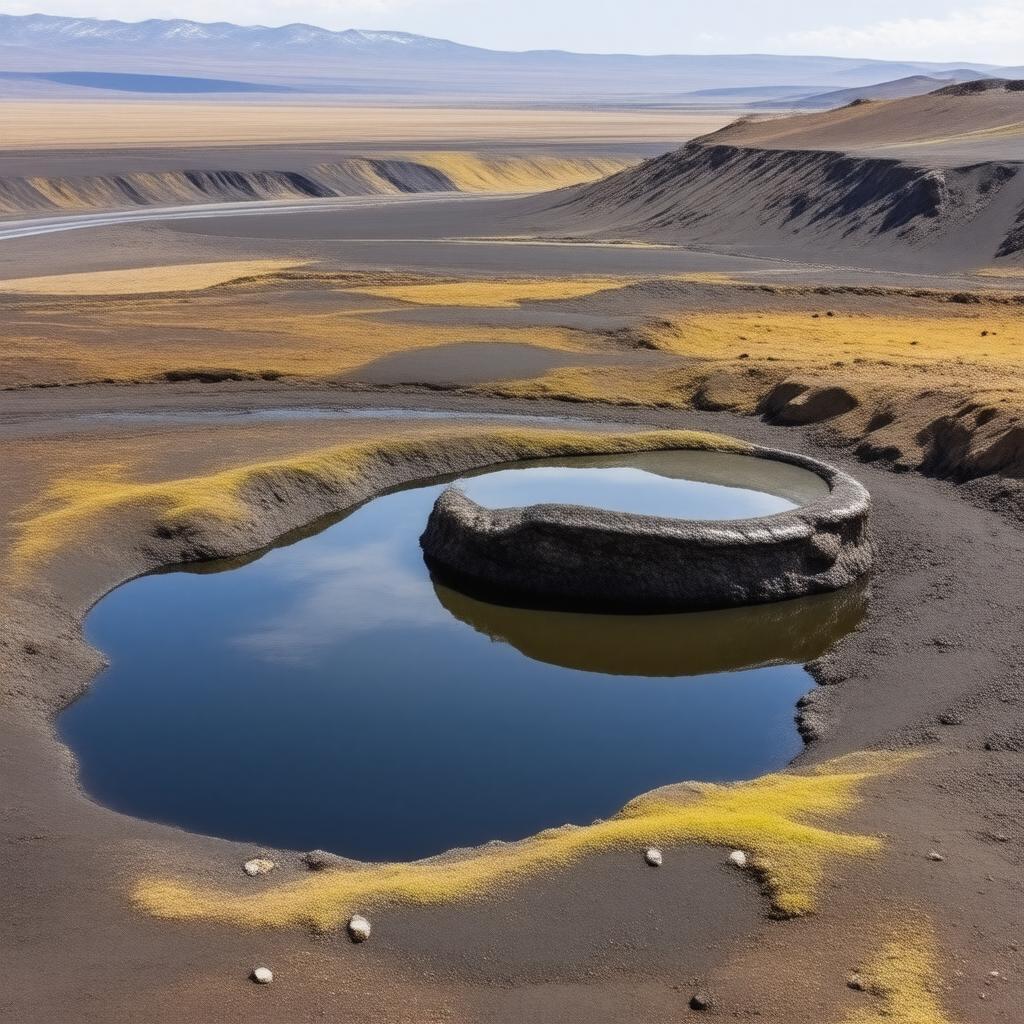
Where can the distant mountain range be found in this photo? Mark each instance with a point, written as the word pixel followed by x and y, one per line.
pixel 898 89
pixel 58 52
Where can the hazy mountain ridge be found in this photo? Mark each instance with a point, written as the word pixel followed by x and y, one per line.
pixel 33 29
pixel 899 88
pixel 402 63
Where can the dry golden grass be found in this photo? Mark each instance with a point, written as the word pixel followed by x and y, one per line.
pixel 980 352
pixel 512 292
pixel 800 338
pixel 88 124
pixel 781 819
pixel 144 339
pixel 1006 271
pixel 179 277
pixel 505 293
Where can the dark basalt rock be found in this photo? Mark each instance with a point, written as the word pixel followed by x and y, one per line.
pixel 568 556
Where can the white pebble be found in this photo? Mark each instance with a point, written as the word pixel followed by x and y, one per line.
pixel 653 856
pixel 263 975
pixel 358 928
pixel 935 855
pixel 738 859
pixel 257 866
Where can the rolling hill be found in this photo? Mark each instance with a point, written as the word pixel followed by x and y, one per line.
pixel 935 180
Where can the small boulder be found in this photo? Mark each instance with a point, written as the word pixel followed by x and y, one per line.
pixel 653 856
pixel 258 866
pixel 856 982
pixel 935 855
pixel 738 859
pixel 701 1001
pixel 321 860
pixel 262 975
pixel 358 928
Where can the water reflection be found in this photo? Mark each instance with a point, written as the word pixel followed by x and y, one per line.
pixel 690 644
pixel 328 694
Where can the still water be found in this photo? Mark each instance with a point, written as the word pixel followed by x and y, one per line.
pixel 329 693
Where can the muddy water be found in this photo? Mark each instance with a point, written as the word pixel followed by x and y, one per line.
pixel 330 694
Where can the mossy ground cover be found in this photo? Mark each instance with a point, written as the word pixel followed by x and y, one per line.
pixel 903 976
pixel 785 821
pixel 75 502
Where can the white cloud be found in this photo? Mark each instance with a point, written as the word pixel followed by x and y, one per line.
pixel 992 33
pixel 342 594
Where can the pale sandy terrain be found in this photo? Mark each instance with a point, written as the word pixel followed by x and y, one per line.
pixel 936 126
pixel 61 125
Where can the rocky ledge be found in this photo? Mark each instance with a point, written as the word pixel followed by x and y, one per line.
pixel 571 556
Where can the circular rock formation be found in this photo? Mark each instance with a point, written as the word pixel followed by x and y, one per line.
pixel 572 556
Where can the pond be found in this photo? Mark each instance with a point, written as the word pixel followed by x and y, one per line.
pixel 329 693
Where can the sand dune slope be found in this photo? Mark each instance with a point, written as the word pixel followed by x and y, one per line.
pixel 825 182
pixel 442 171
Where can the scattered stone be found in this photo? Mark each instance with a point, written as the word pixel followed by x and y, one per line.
pixel 653 856
pixel 935 855
pixel 1005 742
pixel 701 1001
pixel 738 859
pixel 1000 837
pixel 262 975
pixel 856 982
pixel 321 860
pixel 948 718
pixel 258 866
pixel 358 928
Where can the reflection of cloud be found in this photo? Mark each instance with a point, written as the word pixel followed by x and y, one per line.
pixel 340 595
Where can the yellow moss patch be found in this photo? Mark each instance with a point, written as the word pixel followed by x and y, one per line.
pixel 632 385
pixel 72 505
pixel 509 293
pixel 778 818
pixel 495 294
pixel 904 977
pixel 178 277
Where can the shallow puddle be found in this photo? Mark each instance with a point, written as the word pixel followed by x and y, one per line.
pixel 330 694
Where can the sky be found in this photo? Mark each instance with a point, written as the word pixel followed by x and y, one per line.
pixel 986 32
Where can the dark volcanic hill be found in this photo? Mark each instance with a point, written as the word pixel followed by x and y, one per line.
pixel 934 180
pixel 356 62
